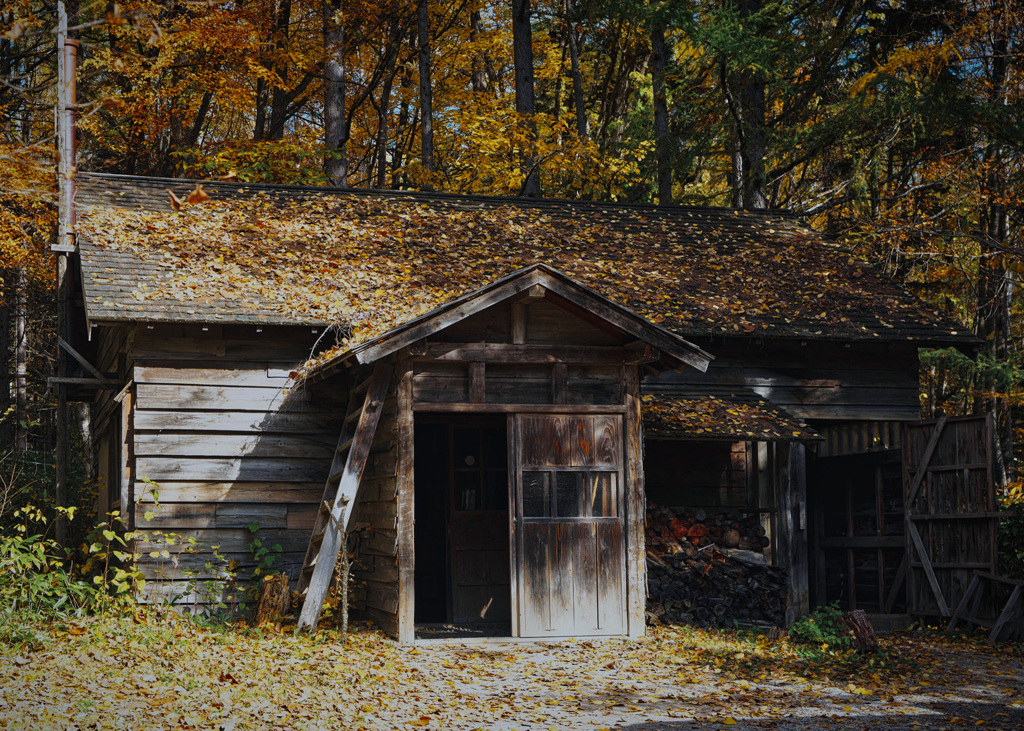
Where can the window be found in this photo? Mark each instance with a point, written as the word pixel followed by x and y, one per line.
pixel 480 464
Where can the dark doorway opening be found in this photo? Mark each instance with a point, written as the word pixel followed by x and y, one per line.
pixel 857 537
pixel 462 579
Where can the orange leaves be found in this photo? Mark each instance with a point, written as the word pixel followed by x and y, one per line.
pixel 371 262
pixel 198 195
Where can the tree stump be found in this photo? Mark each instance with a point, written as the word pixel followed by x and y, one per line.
pixel 274 600
pixel 864 637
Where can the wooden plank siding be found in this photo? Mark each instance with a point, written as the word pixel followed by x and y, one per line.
pixel 813 380
pixel 373 531
pixel 235 450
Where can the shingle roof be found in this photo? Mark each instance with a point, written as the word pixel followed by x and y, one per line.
pixel 720 413
pixel 374 259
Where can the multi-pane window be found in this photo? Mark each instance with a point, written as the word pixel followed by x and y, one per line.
pixel 481 468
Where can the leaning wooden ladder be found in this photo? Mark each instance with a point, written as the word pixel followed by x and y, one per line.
pixel 340 492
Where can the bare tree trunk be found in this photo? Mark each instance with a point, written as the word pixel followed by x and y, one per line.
pixel 21 360
pixel 6 421
pixel 663 145
pixel 522 56
pixel 577 78
pixel 749 110
pixel 482 70
pixel 426 94
pixel 335 121
pixel 995 283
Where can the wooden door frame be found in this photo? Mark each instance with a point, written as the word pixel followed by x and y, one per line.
pixel 517 558
pixel 634 499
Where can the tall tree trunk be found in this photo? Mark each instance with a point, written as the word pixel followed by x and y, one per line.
pixel 384 108
pixel 21 360
pixel 6 420
pixel 401 147
pixel 995 284
pixel 749 111
pixel 335 121
pixel 426 94
pixel 663 145
pixel 482 69
pixel 522 57
pixel 577 78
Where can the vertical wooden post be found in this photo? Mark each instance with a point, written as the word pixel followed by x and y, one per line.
pixel 636 563
pixel 406 505
pixel 67 49
pixel 799 574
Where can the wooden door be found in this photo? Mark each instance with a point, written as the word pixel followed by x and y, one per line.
pixel 569 529
pixel 951 512
pixel 479 525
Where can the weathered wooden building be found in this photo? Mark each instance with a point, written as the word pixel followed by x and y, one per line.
pixel 517 343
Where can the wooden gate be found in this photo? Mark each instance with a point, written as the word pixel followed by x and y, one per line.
pixel 568 532
pixel 951 511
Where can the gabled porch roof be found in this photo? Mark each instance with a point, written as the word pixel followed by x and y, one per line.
pixel 672 350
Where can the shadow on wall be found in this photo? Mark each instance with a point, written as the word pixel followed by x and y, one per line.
pixel 228 476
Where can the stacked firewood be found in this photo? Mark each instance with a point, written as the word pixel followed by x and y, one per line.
pixel 710 571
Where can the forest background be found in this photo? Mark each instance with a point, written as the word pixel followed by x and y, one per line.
pixel 896 127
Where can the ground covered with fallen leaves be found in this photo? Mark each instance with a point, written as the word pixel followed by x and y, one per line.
pixel 148 672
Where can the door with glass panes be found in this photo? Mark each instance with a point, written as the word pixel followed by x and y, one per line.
pixel 478 524
pixel 569 531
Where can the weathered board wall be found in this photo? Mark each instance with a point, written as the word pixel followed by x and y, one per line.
pixel 373 532
pixel 813 379
pixel 952 515
pixel 111 412
pixel 234 452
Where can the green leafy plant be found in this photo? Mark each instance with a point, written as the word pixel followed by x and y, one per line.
pixel 823 628
pixel 32 572
pixel 266 557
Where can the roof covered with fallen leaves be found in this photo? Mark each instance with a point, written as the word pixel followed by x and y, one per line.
pixel 716 413
pixel 371 260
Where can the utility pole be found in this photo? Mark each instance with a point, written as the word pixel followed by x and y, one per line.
pixel 67 62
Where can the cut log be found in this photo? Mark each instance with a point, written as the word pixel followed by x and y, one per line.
pixel 694 579
pixel 274 600
pixel 864 637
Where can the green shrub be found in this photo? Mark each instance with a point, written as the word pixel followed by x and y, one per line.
pixel 823 628
pixel 32 573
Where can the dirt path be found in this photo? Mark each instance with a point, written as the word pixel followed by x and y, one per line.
pixel 574 686
pixel 168 674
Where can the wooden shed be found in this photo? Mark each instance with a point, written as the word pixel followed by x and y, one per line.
pixel 518 343
pixel 514 419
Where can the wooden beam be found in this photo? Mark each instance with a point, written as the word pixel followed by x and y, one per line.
pixel 476 382
pixel 348 490
pixel 406 506
pixel 460 408
pixel 922 467
pixel 926 564
pixel 92 382
pixel 961 608
pixel 901 577
pixel 636 564
pixel 89 367
pixel 1005 615
pixel 522 353
pixel 560 384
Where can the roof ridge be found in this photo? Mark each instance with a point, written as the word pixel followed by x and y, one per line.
pixel 444 196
